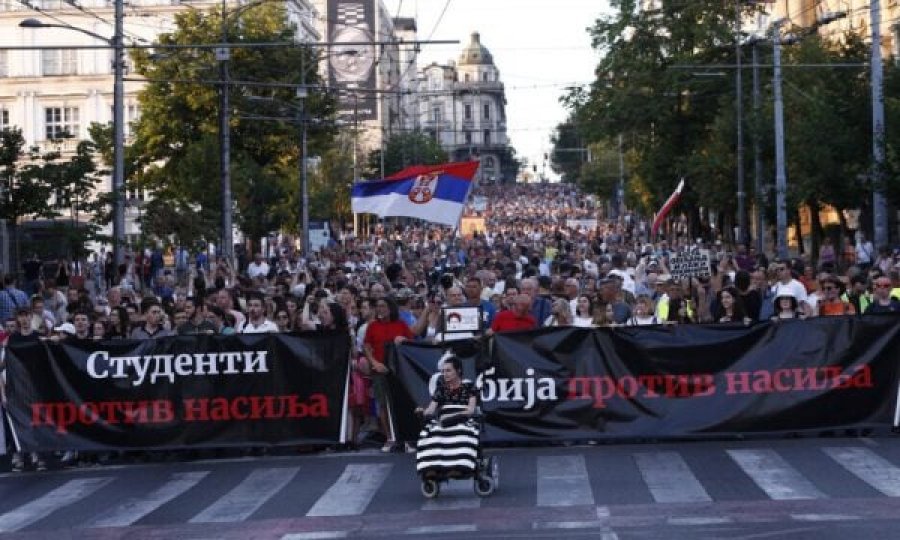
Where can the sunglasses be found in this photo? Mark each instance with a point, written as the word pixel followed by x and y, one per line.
pixel 882 285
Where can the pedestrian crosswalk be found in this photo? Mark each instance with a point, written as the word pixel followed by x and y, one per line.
pixel 551 479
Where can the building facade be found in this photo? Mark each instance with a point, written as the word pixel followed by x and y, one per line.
pixel 366 64
pixel 462 105
pixel 844 16
pixel 54 94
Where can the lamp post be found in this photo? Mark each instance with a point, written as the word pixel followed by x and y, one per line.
pixel 118 172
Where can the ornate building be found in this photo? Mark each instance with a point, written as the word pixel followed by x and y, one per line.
pixel 463 106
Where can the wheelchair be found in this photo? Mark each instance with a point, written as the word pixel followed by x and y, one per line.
pixel 449 448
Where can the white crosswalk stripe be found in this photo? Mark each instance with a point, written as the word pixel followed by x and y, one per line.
pixel 868 467
pixel 353 491
pixel 774 475
pixel 669 478
pixel 563 481
pixel 39 508
pixel 135 508
pixel 248 496
pixel 560 481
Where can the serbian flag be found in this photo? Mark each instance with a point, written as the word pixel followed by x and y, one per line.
pixel 666 208
pixel 435 193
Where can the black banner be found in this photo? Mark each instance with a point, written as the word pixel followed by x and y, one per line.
pixel 185 391
pixel 672 381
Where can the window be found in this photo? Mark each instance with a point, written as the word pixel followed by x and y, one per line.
pixel 4 118
pixel 487 136
pixel 59 61
pixel 487 111
pixel 467 112
pixel 436 115
pixel 468 135
pixel 484 76
pixel 466 77
pixel 61 122
pixel 135 196
pixel 132 115
pixel 4 64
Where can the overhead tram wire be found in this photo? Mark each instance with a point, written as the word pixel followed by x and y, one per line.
pixel 89 13
pixel 430 35
pixel 63 22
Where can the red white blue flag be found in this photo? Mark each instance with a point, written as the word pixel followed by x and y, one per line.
pixel 435 193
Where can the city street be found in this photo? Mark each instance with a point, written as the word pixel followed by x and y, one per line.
pixel 775 488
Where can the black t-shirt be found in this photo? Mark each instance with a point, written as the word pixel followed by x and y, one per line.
pixel 19 337
pixel 459 396
pixel 892 307
pixel 32 269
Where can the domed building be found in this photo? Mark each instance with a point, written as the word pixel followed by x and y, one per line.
pixel 463 106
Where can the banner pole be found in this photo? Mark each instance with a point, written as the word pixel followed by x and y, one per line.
pixel 897 408
pixel 12 430
pixel 344 408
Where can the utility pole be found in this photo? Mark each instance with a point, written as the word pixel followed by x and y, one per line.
pixel 780 175
pixel 757 161
pixel 879 204
pixel 620 189
pixel 742 237
pixel 118 135
pixel 223 54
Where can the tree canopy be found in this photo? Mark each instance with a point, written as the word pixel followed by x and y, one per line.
pixel 665 82
pixel 177 137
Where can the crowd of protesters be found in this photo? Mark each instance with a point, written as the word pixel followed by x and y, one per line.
pixel 542 260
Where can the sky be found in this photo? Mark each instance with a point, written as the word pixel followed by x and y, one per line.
pixel 540 47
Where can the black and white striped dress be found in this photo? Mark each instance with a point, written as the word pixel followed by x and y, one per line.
pixel 451 448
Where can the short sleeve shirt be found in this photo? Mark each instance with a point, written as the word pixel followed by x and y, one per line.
pixel 460 396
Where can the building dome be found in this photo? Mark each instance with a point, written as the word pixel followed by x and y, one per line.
pixel 475 53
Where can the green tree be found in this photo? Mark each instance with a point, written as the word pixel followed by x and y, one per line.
pixel 403 150
pixel 646 90
pixel 177 135
pixel 569 152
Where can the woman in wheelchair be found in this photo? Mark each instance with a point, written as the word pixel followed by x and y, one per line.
pixel 448 446
pixel 452 390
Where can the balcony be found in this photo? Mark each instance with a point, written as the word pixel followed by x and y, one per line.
pixel 63 146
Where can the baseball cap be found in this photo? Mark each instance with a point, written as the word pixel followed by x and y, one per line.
pixel 65 328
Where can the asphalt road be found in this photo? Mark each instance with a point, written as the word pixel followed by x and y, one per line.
pixel 828 488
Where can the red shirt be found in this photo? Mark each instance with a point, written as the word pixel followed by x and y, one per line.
pixel 507 320
pixel 380 333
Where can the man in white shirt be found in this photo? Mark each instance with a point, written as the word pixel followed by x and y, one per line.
pixel 790 287
pixel 258 268
pixel 257 323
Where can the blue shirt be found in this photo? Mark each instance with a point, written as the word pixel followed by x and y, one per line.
pixel 12 299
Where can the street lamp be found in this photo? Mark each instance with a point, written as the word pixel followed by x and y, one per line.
pixel 118 172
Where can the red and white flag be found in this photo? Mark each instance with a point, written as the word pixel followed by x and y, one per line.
pixel 666 208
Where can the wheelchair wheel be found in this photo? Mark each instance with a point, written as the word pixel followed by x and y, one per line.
pixel 484 486
pixel 430 488
pixel 493 470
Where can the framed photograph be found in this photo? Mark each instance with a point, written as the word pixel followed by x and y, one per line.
pixel 461 319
